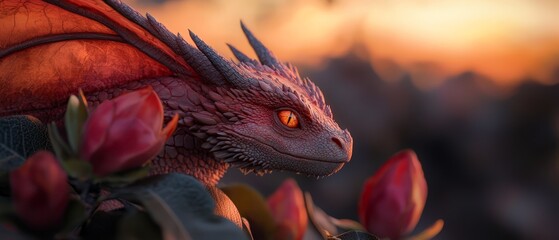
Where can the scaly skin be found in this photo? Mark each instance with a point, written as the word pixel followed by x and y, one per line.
pixel 229 112
pixel 182 152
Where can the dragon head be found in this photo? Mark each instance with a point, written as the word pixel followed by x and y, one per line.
pixel 262 116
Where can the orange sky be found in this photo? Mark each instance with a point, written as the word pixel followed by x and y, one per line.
pixel 505 40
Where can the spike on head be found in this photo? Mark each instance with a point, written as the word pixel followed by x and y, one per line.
pixel 240 55
pixel 199 62
pixel 294 128
pixel 225 67
pixel 265 56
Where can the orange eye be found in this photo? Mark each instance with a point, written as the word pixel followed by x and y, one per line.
pixel 288 118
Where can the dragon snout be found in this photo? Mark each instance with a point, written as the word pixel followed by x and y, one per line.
pixel 344 145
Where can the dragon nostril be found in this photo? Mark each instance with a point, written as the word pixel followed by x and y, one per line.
pixel 338 142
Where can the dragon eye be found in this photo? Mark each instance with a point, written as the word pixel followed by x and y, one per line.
pixel 288 118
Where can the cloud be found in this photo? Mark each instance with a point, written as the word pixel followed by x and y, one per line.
pixel 430 39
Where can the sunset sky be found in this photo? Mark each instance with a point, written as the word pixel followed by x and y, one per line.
pixel 504 40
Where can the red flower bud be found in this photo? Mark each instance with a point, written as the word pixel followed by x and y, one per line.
pixel 393 199
pixel 125 132
pixel 288 208
pixel 40 192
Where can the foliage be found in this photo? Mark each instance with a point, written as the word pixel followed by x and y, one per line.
pixel 96 185
pixel 90 167
pixel 20 136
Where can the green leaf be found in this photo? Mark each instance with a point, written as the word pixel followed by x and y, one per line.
pixel 123 178
pixel 138 226
pixel 61 148
pixel 20 137
pixel 77 168
pixel 169 222
pixel 252 206
pixel 69 159
pixel 75 117
pixel 181 206
pixel 354 235
pixel 74 216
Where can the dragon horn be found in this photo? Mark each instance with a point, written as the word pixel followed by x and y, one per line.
pixel 198 61
pixel 264 55
pixel 225 67
pixel 240 55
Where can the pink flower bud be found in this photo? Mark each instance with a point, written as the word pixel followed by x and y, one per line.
pixel 288 208
pixel 125 132
pixel 40 192
pixel 393 199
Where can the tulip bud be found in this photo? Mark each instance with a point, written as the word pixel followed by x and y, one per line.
pixel 392 200
pixel 40 192
pixel 125 132
pixel 287 205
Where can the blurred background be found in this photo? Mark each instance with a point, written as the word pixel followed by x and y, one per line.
pixel 471 86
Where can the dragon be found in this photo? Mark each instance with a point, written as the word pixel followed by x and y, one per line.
pixel 257 115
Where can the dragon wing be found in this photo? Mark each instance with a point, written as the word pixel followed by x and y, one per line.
pixel 49 49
